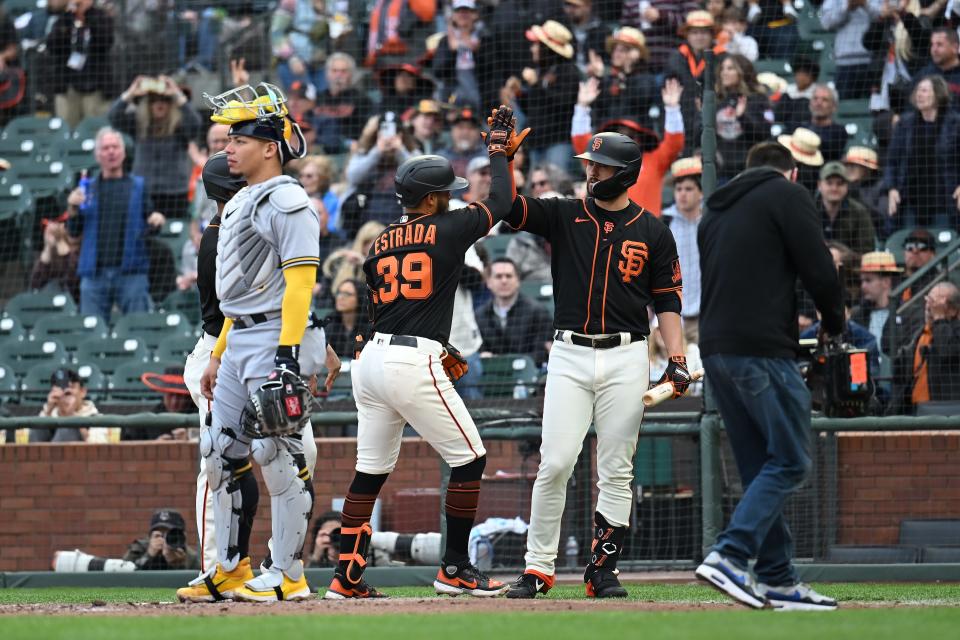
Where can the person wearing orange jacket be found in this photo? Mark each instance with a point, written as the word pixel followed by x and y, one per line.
pixel 657 154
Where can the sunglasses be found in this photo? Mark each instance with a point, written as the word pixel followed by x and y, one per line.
pixel 916 246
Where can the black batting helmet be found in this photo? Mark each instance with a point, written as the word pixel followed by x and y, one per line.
pixel 218 182
pixel 614 150
pixel 423 175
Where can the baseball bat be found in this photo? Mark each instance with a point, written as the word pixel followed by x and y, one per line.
pixel 661 392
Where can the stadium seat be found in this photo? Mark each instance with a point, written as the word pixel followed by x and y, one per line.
pixel 45 132
pixel 44 176
pixel 21 355
pixel 77 154
pixel 18 7
pixel 88 128
pixel 36 382
pixel 175 348
pixel 152 327
pixel 109 353
pixel 16 201
pixel 343 385
pixel 930 532
pixel 537 291
pixel 125 383
pixel 773 65
pixel 940 554
pixel 17 150
pixel 70 329
pixel 185 302
pixel 872 554
pixel 30 306
pixel 847 109
pixel 174 234
pixel 508 375
pixel 653 462
pixel 496 246
pixel 10 327
pixel 9 388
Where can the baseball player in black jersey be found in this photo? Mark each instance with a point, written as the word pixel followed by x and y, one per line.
pixel 610 259
pixel 404 373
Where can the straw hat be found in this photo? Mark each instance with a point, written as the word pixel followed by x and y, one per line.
pixel 879 262
pixel 699 19
pixel 686 167
pixel 630 37
pixel 773 83
pixel 804 146
pixel 863 156
pixel 554 35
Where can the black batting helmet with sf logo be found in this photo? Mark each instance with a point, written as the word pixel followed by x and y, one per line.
pixel 618 151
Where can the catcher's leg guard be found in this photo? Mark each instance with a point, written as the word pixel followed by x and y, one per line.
pixel 234 495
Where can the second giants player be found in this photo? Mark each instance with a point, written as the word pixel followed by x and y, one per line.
pixel 610 259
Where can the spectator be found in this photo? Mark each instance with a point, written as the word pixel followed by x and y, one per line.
pixel 398 30
pixel 847 262
pixel 793 108
pixel 426 126
pixel 734 35
pixel 57 262
pixel 301 101
pixel 457 60
pixel 203 208
pixel 166 547
pixel 67 398
pixel 867 187
pixel 326 541
pixel 936 355
pixel 629 90
pixel 175 398
pixel 531 255
pixel 804 146
pixel 13 83
pixel 657 154
pixel 843 219
pixel 343 325
pixel 316 174
pixel 300 37
pixel 547 180
pixel 549 92
pixel 944 58
pixel 683 217
pixel 370 171
pixel 342 108
pixel 156 113
pixel 741 114
pixel 877 271
pixel 112 217
pixel 898 38
pixel 833 135
pixel 855 74
pixel 464 332
pixel 688 64
pixel 773 24
pixel 78 47
pixel 511 322
pixel 589 33
pixel 346 263
pixel 401 87
pixel 465 140
pixel 923 161
pixel 660 21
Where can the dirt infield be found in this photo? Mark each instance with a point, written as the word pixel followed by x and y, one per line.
pixel 372 608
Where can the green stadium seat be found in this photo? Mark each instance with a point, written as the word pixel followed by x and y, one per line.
pixel 849 109
pixel 538 291
pixel 109 353
pixel 10 327
pixel 17 150
pixel 773 65
pixel 88 127
pixel 150 327
pixel 20 355
pixel 174 234
pixel 72 330
pixel 125 383
pixel 30 306
pixel 45 132
pixel 858 128
pixel 185 302
pixel 17 7
pixel 507 375
pixel 16 201
pixel 175 348
pixel 77 154
pixel 44 176
pixel 9 387
pixel 653 462
pixel 36 382
pixel 343 386
pixel 496 246
pixel 808 21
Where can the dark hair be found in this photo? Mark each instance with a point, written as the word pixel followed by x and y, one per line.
pixel 770 154
pixel 949 32
pixel 361 289
pixel 941 92
pixel 733 14
pixel 505 260
pixel 695 177
pixel 322 519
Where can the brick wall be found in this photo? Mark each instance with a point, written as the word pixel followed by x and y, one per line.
pixel 98 498
pixel 892 477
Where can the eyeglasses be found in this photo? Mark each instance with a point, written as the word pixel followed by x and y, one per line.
pixel 916 246
pixel 540 183
pixel 345 294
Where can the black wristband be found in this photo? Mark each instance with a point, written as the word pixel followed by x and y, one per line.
pixel 287 357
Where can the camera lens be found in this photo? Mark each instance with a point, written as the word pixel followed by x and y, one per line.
pixel 335 538
pixel 176 539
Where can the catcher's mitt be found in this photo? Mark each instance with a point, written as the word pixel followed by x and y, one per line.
pixel 280 407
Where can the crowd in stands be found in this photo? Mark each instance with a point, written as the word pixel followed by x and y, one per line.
pixel 863 92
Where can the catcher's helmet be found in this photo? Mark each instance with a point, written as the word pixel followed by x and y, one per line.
pixel 262 113
pixel 614 150
pixel 218 182
pixel 423 175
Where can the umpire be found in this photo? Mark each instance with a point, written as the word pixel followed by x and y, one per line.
pixel 758 234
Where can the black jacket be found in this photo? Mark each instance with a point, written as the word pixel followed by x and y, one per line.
pixel 528 328
pixel 758 234
pixel 93 39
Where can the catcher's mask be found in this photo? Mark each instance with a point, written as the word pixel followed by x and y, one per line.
pixel 261 113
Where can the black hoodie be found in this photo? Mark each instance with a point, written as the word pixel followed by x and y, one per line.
pixel 758 234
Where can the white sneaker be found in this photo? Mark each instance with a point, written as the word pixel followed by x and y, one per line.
pixel 797 597
pixel 724 576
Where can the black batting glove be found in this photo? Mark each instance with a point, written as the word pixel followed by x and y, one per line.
pixel 501 129
pixel 286 359
pixel 677 375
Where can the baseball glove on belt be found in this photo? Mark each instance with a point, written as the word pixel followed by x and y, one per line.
pixel 280 407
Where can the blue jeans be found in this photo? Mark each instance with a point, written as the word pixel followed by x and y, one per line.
pixel 765 407
pixel 469 385
pixel 131 292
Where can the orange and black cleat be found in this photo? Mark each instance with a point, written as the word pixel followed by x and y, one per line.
pixel 341 589
pixel 453 580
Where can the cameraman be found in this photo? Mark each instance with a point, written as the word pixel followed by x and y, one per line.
pixel 326 541
pixel 166 548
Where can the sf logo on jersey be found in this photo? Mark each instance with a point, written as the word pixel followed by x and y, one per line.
pixel 635 256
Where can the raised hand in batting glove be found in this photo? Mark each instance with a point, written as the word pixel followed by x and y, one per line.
pixel 514 140
pixel 454 364
pixel 501 123
pixel 677 375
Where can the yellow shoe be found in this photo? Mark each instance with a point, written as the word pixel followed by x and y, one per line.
pixel 222 585
pixel 272 586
